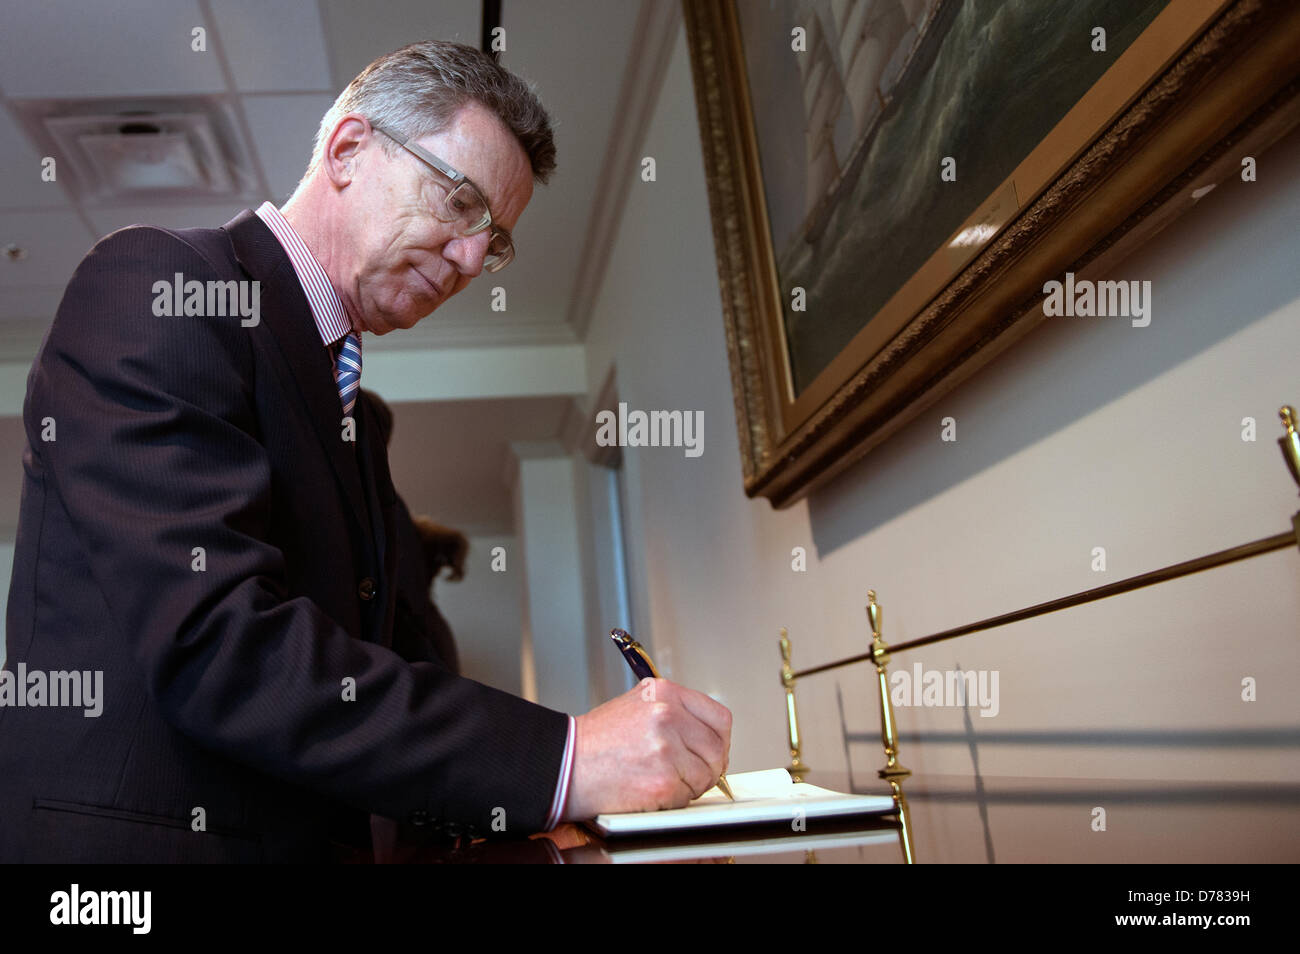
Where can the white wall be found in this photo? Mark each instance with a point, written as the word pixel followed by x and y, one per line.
pixel 604 582
pixel 1090 433
pixel 547 526
pixel 483 611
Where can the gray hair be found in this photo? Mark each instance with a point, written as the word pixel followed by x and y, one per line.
pixel 419 89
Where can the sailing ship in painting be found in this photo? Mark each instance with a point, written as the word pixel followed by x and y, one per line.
pixel 856 50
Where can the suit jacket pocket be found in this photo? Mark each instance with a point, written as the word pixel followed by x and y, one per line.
pixel 75 833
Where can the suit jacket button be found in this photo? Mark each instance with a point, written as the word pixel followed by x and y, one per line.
pixel 366 589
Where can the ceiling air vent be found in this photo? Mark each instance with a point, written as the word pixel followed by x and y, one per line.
pixel 143 155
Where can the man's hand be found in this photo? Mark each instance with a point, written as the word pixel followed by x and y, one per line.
pixel 656 746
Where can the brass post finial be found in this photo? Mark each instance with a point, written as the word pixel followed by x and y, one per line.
pixel 875 617
pixel 796 768
pixel 873 613
pixel 1290 442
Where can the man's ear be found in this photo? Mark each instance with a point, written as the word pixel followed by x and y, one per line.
pixel 349 137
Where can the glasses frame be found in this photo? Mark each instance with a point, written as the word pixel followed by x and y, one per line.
pixel 459 180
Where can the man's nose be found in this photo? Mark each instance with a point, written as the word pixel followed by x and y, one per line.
pixel 467 252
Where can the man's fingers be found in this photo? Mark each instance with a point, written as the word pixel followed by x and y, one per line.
pixel 713 714
pixel 689 788
pixel 694 772
pixel 702 741
pixel 682 791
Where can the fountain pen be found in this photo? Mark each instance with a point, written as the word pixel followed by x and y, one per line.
pixel 643 668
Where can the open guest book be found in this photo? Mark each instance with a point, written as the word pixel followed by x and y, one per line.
pixel 767 797
pixel 733 844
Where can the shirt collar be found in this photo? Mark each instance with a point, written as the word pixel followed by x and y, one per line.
pixel 326 308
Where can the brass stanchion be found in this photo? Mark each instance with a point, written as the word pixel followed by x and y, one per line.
pixel 796 768
pixel 880 658
pixel 893 772
pixel 1290 444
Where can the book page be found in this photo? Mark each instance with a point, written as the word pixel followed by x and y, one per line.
pixel 746 786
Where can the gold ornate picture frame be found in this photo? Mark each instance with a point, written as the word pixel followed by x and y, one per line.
pixel 1204 86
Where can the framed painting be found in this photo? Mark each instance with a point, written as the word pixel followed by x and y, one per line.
pixel 896 186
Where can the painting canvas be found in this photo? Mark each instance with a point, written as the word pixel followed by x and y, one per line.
pixel 892 183
pixel 853 133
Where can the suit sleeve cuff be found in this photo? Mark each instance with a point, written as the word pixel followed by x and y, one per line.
pixel 562 783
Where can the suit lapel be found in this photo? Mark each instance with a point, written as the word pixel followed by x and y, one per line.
pixel 285 311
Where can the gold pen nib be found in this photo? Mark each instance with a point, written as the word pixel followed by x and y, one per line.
pixel 724 788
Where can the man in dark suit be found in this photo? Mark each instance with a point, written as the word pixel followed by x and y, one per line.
pixel 207 520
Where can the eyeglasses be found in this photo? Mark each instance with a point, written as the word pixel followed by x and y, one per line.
pixel 462 205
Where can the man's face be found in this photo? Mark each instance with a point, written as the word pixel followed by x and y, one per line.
pixel 404 261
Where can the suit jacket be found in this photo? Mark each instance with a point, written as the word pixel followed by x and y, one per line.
pixel 194 526
pixel 420 631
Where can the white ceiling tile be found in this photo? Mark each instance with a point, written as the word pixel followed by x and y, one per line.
pixel 276 47
pixel 283 130
pixel 29 302
pixel 55 242
pixel 21 185
pixel 358 33
pixel 208 216
pixel 13 438
pixel 576 53
pixel 74 48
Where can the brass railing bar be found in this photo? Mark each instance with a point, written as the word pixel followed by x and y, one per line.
pixel 1245 551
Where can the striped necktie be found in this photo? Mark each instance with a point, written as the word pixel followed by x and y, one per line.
pixel 348 373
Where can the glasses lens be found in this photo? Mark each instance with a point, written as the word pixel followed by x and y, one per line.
pixel 500 253
pixel 466 208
